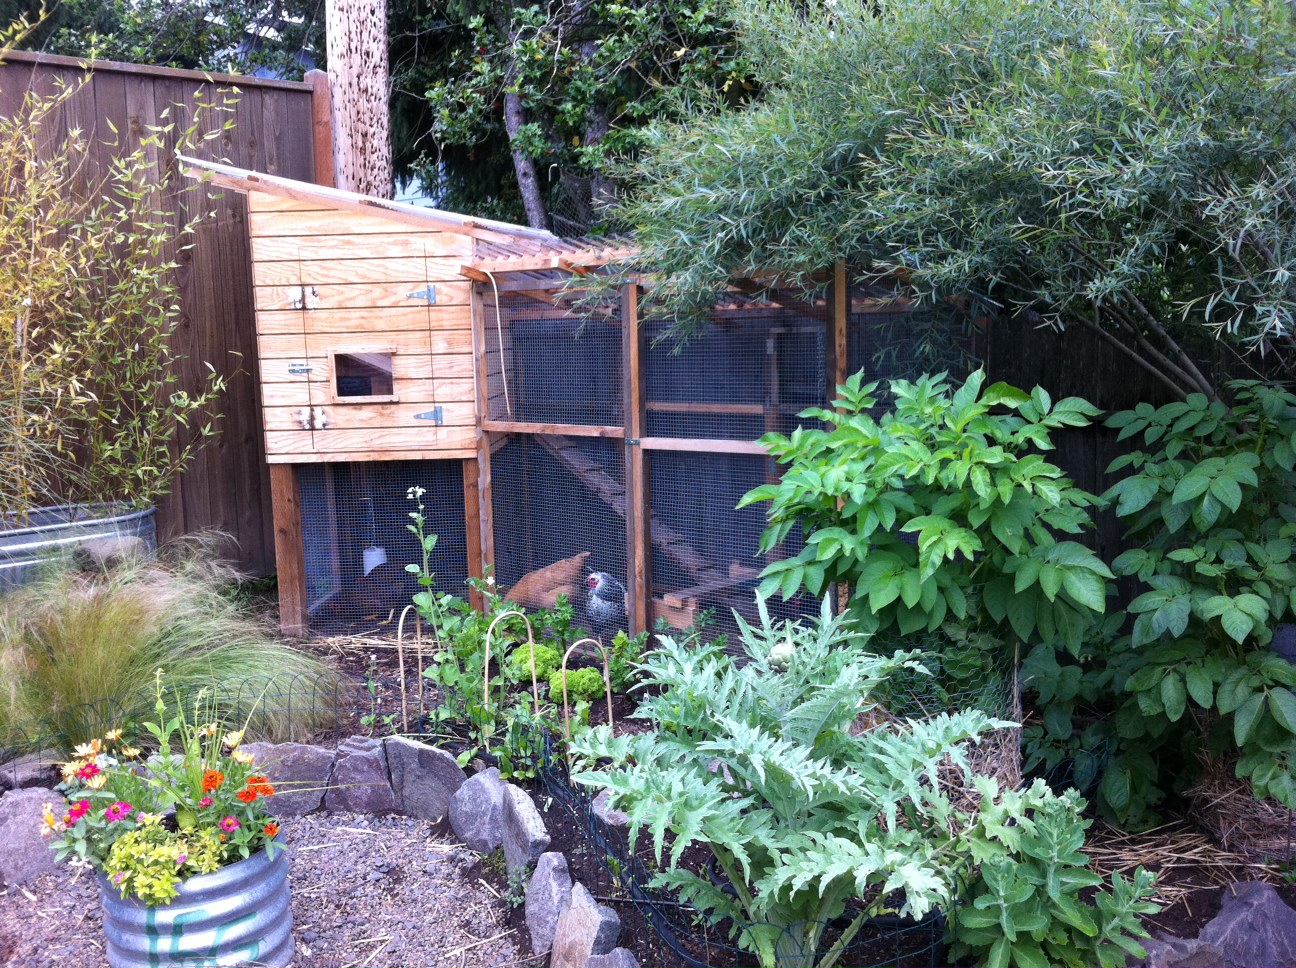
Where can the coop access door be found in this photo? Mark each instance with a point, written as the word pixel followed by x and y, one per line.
pixel 364 333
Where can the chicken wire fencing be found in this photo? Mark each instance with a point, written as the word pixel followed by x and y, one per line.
pixel 559 506
pixel 356 541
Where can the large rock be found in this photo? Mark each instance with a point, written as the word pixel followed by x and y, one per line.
pixel 547 895
pixel 1171 952
pixel 24 853
pixel 586 928
pixel 360 781
pixel 299 772
pixel 616 958
pixel 102 554
pixel 611 817
pixel 1254 927
pixel 423 778
pixel 477 811
pixel 36 770
pixel 525 837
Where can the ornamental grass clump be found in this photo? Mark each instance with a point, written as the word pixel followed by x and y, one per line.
pixel 79 650
pixel 196 806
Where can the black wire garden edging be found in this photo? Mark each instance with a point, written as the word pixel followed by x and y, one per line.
pixel 694 939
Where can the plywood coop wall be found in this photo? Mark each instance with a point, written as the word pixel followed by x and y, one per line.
pixel 329 282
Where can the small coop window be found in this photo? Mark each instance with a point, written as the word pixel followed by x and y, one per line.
pixel 363 376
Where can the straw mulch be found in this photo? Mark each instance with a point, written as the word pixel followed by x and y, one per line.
pixel 1224 806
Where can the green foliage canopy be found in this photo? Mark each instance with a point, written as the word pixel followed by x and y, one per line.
pixel 1122 165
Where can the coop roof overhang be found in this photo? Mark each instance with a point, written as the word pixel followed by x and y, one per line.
pixel 498 247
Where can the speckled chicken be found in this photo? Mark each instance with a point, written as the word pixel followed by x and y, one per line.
pixel 606 607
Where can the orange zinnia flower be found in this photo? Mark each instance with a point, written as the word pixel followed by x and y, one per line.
pixel 271 829
pixel 247 796
pixel 212 780
pixel 260 785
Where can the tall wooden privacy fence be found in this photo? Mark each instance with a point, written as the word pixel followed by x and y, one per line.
pixel 227 487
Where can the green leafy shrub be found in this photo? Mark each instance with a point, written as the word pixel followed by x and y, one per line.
pixel 764 762
pixel 1211 506
pixel 582 685
pixel 941 508
pixel 71 642
pixel 1026 907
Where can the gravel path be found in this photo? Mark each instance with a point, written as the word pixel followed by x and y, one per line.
pixel 367 891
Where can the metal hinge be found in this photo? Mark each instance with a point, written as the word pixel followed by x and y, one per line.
pixel 303 297
pixel 428 293
pixel 436 415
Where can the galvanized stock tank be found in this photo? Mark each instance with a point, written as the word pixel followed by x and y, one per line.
pixel 27 540
pixel 240 915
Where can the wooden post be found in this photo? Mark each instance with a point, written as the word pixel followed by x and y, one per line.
pixel 360 80
pixel 638 497
pixel 290 553
pixel 841 364
pixel 322 127
pixel 473 525
pixel 484 510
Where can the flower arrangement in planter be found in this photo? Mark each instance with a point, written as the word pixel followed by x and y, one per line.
pixel 186 852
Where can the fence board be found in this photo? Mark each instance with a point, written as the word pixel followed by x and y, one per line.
pixel 227 486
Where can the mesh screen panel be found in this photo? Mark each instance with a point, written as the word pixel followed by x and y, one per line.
pixel 905 344
pixel 546 364
pixel 554 499
pixel 351 509
pixel 704 551
pixel 750 371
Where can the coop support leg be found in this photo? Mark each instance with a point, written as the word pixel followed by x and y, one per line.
pixel 290 552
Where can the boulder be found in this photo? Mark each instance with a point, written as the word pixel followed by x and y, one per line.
pixel 24 853
pixel 1172 952
pixel 585 928
pixel 423 778
pixel 37 770
pixel 525 837
pixel 616 958
pixel 477 811
pixel 360 782
pixel 101 554
pixel 1253 928
pixel 548 893
pixel 609 816
pixel 299 773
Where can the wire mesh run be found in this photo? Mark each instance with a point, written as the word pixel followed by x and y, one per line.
pixel 752 370
pixel 357 544
pixel 704 554
pixel 559 517
pixel 900 343
pixel 547 363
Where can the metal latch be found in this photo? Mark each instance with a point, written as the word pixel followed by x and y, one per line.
pixel 428 293
pixel 303 297
pixel 436 415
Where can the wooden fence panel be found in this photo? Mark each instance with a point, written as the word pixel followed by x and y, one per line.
pixel 227 487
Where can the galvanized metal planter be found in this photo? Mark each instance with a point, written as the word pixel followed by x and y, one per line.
pixel 241 915
pixel 25 541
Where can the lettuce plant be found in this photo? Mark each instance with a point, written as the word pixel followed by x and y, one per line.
pixel 770 764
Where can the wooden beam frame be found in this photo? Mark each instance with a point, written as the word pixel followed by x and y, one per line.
pixel 703 445
pixel 482 464
pixel 558 429
pixel 290 551
pixel 638 496
pixel 322 127
pixel 473 525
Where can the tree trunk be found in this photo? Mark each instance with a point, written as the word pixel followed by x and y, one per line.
pixel 524 165
pixel 361 87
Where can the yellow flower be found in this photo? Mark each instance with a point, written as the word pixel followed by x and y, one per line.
pixel 113 735
pixel 233 738
pixel 47 814
pixel 242 758
pixel 70 768
pixel 97 781
pixel 129 752
pixel 148 819
pixel 92 748
pixel 211 729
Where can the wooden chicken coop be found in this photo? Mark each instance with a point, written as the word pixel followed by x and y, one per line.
pixel 553 438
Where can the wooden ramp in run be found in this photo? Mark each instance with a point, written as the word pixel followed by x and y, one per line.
pixel 708 579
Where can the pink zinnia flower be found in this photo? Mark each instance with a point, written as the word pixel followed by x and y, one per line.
pixel 229 824
pixel 118 811
pixel 79 810
pixel 181 860
pixel 205 802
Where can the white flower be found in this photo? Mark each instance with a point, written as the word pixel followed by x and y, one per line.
pixel 414 493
